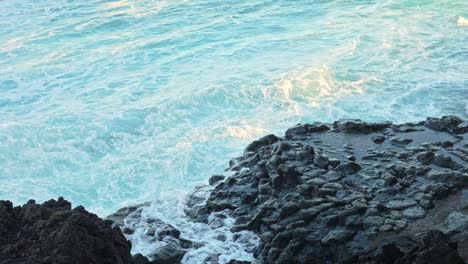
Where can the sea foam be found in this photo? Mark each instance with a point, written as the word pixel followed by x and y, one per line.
pixel 211 240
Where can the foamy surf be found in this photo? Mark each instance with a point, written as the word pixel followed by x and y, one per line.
pixel 213 241
pixel 462 21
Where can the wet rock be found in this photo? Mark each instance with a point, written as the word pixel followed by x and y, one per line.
pixel 348 125
pixel 461 128
pixel 373 221
pixel 215 178
pixel 442 161
pixel 334 162
pixel 401 204
pixel 358 126
pixel 140 259
pixel 397 141
pixel 457 221
pixel 349 168
pixel 336 236
pixel 426 157
pixel 446 123
pixel 391 180
pixel 167 255
pixel 447 181
pixel 378 139
pixel 321 161
pixel 118 217
pixel 327 196
pixel 264 141
pixel 434 247
pixel 234 261
pixel 307 128
pixel 289 208
pixel 415 212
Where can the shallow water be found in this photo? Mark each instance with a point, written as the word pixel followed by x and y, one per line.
pixel 113 103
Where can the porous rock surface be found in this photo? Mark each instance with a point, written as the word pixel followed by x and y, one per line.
pixel 54 233
pixel 351 192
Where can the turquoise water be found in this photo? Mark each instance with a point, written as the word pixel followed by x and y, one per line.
pixel 112 103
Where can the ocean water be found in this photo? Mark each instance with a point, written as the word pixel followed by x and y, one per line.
pixel 111 103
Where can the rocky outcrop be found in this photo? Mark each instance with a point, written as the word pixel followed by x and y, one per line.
pixel 338 193
pixel 347 192
pixel 54 233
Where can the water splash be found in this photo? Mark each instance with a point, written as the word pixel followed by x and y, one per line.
pixel 212 240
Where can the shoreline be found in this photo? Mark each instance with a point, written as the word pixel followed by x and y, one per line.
pixel 345 192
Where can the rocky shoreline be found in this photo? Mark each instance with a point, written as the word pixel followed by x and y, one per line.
pixel 347 192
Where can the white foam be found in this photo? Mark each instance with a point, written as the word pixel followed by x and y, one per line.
pixel 214 238
pixel 462 21
pixel 317 86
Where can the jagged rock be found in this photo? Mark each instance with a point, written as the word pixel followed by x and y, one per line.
pixel 317 195
pixel 344 195
pixel 53 232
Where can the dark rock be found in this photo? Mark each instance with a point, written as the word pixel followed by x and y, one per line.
pixel 349 168
pixel 446 123
pixel 457 221
pixel 215 178
pixel 401 204
pixel 288 173
pixel 234 261
pixel 337 236
pixel 168 230
pixel 400 141
pixel 167 255
pixel 118 217
pixel 334 162
pixel 54 233
pixel 426 157
pixel 414 212
pixel 321 161
pixel 264 141
pixel 305 129
pixel 308 206
pixel 358 126
pixel 378 139
pixel 391 180
pixel 433 248
pixel 289 208
pixel 462 128
pixel 442 161
pixel 140 259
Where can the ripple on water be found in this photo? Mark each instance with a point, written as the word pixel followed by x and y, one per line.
pixel 110 103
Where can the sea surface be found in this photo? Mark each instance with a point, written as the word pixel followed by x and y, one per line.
pixel 112 103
